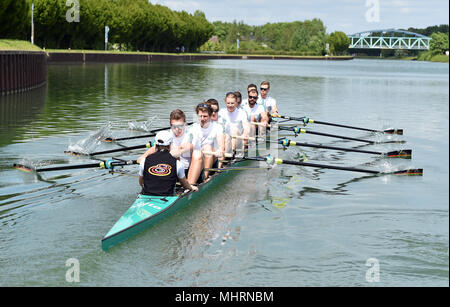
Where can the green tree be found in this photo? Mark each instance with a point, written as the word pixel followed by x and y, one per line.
pixel 14 18
pixel 309 38
pixel 338 42
pixel 439 43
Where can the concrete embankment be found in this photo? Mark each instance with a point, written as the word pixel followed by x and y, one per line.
pixel 22 70
pixel 92 57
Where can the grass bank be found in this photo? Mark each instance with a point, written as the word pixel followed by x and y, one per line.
pixel 428 56
pixel 441 58
pixel 17 45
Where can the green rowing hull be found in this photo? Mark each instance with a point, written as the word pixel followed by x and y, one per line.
pixel 149 210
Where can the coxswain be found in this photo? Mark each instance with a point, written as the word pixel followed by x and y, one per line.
pixel 160 171
pixel 182 146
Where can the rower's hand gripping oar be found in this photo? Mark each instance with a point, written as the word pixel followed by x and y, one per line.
pixel 273 161
pixel 306 120
pixel 404 153
pixel 106 164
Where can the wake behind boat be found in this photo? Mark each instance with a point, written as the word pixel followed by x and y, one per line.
pixel 148 210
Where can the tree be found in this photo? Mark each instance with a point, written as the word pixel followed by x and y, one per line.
pixel 439 43
pixel 339 42
pixel 309 37
pixel 14 19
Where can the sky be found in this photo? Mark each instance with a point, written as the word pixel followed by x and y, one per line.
pixel 349 16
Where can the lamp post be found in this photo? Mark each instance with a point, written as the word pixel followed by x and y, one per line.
pixel 32 22
pixel 106 37
pixel 237 43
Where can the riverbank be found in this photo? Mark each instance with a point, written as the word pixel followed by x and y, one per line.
pixel 84 56
pixel 425 57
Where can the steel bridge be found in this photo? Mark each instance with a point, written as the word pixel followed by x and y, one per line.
pixel 389 39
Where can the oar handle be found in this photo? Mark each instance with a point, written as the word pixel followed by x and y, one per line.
pixel 241 137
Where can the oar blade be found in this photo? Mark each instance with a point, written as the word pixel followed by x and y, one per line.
pixel 75 153
pixel 410 172
pixel 394 131
pixel 22 167
pixel 403 154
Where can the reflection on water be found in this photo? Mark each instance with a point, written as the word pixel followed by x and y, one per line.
pixel 18 112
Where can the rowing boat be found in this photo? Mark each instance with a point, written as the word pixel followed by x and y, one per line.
pixel 149 210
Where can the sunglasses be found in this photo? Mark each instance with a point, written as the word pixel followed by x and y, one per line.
pixel 214 110
pixel 253 97
pixel 264 88
pixel 178 126
pixel 203 105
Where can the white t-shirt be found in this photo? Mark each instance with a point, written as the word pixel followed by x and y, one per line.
pixel 185 138
pixel 205 136
pixel 267 103
pixel 255 111
pixel 180 169
pixel 236 119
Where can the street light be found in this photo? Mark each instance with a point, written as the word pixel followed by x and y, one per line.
pixel 32 22
pixel 237 43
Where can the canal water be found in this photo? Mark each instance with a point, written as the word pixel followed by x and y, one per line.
pixel 290 226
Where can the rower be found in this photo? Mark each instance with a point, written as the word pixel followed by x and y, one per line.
pixel 249 88
pixel 159 172
pixel 255 112
pixel 234 122
pixel 207 136
pixel 182 145
pixel 214 105
pixel 269 103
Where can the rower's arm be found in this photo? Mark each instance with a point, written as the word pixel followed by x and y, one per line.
pixel 141 181
pixel 149 151
pixel 264 118
pixel 185 184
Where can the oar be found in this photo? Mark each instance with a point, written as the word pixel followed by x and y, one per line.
pixel 107 164
pixel 298 130
pixel 404 153
pixel 148 145
pixel 307 120
pixel 151 134
pixel 271 161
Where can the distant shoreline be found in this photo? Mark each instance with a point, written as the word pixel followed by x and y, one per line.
pixel 433 59
pixel 84 56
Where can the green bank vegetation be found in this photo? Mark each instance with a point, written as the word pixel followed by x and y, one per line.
pixel 138 25
pixel 438 46
pixel 134 25
pixel 14 44
pixel 307 38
